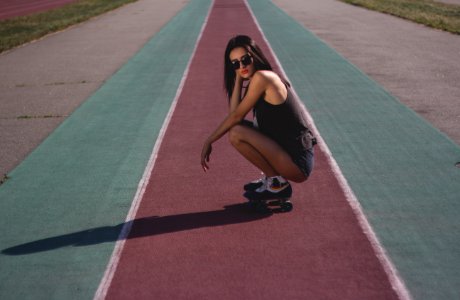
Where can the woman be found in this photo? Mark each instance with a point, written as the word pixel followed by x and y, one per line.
pixel 278 142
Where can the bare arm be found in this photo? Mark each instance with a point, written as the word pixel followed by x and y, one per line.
pixel 236 94
pixel 257 88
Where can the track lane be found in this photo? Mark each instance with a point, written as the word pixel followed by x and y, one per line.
pixel 192 238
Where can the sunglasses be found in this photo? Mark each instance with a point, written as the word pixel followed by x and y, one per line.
pixel 246 60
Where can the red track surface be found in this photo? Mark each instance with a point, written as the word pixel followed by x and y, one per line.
pixel 16 8
pixel 193 239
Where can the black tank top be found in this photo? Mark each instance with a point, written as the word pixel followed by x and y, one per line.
pixel 285 123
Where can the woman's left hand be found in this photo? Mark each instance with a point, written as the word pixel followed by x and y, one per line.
pixel 205 155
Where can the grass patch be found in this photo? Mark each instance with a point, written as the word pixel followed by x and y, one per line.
pixel 20 30
pixel 427 12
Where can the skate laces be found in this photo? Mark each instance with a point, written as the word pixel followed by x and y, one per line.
pixel 273 184
pixel 262 179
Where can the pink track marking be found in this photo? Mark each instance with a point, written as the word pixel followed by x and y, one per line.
pixel 185 244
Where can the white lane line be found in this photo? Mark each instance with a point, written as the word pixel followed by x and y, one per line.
pixel 395 280
pixel 104 285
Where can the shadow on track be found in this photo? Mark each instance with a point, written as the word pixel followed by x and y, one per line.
pixel 143 227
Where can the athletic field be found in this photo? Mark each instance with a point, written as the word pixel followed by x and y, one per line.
pixel 113 204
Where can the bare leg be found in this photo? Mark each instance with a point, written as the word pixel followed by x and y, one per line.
pixel 264 153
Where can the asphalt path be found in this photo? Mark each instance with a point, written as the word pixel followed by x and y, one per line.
pixel 64 205
pixel 46 80
pixel 193 226
pixel 456 2
pixel 43 82
pixel 401 169
pixel 416 64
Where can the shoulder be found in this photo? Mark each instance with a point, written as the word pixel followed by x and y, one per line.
pixel 265 78
pixel 260 80
pixel 270 79
pixel 265 75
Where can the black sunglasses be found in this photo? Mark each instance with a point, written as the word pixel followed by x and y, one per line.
pixel 246 60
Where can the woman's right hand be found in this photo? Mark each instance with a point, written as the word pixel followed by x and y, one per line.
pixel 238 78
pixel 205 155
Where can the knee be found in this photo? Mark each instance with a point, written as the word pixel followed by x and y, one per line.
pixel 299 179
pixel 235 135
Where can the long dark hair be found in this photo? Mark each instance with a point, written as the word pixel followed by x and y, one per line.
pixel 259 60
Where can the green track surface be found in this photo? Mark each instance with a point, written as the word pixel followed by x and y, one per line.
pixel 62 209
pixel 401 169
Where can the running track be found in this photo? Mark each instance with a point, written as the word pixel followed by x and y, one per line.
pixel 190 236
pixel 192 239
pixel 16 8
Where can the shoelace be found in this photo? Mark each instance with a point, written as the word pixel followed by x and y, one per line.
pixel 268 183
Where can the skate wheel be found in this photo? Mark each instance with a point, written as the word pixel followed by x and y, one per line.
pixel 274 203
pixel 286 206
pixel 262 208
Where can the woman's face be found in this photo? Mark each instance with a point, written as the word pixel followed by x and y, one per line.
pixel 242 62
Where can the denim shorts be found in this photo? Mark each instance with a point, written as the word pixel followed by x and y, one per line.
pixel 302 157
pixel 305 161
